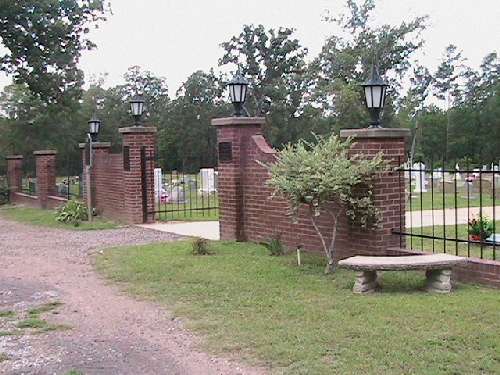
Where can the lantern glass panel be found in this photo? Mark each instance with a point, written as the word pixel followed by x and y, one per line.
pixel 94 127
pixel 137 108
pixel 374 96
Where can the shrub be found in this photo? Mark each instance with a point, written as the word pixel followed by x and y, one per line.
pixel 274 246
pixel 4 194
pixel 326 179
pixel 72 212
pixel 201 246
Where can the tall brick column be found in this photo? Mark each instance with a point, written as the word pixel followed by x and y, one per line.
pixel 234 134
pixel 138 143
pixel 45 175
pixel 14 172
pixel 388 192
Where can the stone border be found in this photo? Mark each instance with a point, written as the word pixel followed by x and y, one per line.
pixel 137 129
pixel 45 152
pixel 96 145
pixel 228 121
pixel 14 157
pixel 376 133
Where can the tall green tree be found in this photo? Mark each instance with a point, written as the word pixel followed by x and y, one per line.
pixel 347 56
pixel 274 62
pixel 43 41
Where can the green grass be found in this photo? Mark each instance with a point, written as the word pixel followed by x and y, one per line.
pixel 46 218
pixel 74 372
pixel 449 201
pixel 7 314
pixel 270 312
pixel 4 357
pixel 441 246
pixel 51 306
pixel 34 322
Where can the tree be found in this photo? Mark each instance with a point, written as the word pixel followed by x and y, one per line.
pixel 324 178
pixel 348 55
pixel 187 141
pixel 44 40
pixel 273 60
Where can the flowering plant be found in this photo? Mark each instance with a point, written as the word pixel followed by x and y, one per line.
pixel 480 228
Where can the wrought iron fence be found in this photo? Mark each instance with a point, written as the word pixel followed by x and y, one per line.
pixel 450 210
pixel 186 196
pixel 28 184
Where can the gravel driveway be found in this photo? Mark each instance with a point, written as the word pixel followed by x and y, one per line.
pixel 111 332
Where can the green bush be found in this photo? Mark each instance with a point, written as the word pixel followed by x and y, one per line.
pixel 4 194
pixel 274 246
pixel 72 212
pixel 200 247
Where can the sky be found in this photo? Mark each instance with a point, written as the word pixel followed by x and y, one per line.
pixel 174 38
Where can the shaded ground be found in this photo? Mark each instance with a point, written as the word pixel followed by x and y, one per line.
pixel 111 333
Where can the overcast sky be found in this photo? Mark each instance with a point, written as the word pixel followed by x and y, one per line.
pixel 174 38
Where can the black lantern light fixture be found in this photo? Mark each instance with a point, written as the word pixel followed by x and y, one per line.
pixel 375 91
pixel 94 128
pixel 238 88
pixel 137 107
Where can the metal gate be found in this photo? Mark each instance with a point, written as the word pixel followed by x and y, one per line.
pixel 185 195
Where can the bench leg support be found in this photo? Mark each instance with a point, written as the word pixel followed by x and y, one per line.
pixel 439 281
pixel 366 282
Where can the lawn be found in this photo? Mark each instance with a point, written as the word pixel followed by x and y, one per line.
pixel 46 218
pixel 451 247
pixel 428 201
pixel 294 320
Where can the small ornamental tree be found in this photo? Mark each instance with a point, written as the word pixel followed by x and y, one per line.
pixel 327 180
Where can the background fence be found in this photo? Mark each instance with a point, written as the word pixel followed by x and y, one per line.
pixel 450 210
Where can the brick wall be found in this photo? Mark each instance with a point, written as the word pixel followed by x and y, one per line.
pixel 248 212
pixel 45 175
pixel 117 192
pixel 46 181
pixel 107 180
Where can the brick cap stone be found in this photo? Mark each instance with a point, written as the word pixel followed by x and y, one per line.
pixel 14 157
pixel 137 129
pixel 45 152
pixel 96 145
pixel 376 133
pixel 238 121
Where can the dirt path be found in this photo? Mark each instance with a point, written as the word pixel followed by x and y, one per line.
pixel 111 333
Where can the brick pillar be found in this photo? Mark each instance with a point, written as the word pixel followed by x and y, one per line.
pixel 45 175
pixel 14 173
pixel 389 190
pixel 233 134
pixel 139 142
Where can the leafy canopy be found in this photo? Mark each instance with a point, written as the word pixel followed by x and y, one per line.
pixel 43 40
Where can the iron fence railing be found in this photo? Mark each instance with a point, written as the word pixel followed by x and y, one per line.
pixel 450 210
pixel 186 196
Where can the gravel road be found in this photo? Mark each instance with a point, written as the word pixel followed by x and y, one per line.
pixel 111 332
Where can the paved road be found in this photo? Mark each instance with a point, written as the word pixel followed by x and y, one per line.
pixel 112 333
pixel 425 218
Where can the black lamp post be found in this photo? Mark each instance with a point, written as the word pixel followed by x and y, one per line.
pixel 238 88
pixel 375 92
pixel 94 128
pixel 137 107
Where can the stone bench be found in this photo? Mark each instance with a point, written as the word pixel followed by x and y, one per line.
pixel 437 266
